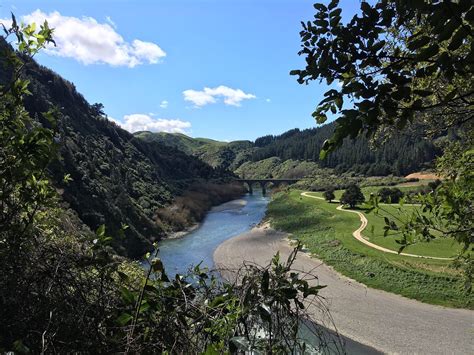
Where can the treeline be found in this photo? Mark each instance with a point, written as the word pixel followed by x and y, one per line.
pixel 399 155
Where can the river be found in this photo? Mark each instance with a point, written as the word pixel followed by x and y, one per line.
pixel 220 224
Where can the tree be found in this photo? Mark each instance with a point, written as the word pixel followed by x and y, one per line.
pixel 352 196
pixel 403 64
pixel 390 195
pixel 328 194
pixel 397 61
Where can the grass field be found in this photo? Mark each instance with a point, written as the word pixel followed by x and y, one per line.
pixel 441 247
pixel 327 233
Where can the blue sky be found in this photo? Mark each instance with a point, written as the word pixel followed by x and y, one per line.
pixel 149 62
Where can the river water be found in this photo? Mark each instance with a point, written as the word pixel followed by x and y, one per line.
pixel 220 224
pixel 179 254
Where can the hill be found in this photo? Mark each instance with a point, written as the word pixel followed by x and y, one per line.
pixel 221 155
pixel 116 179
pixel 295 153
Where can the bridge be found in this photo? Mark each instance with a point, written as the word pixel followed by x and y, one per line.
pixel 264 182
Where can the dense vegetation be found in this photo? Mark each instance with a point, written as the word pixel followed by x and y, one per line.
pixel 399 155
pixel 299 153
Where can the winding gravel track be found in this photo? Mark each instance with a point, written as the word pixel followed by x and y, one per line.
pixel 363 223
pixel 384 321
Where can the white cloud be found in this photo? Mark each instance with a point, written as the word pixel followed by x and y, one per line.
pixel 142 122
pixel 207 96
pixel 91 42
pixel 164 104
pixel 268 100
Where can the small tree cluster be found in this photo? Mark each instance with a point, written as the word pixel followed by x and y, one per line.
pixel 390 195
pixel 352 196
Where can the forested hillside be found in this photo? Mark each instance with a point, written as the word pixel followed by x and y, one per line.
pixel 115 178
pixel 295 153
pixel 399 155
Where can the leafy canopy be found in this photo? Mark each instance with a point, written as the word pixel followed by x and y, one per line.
pixel 396 61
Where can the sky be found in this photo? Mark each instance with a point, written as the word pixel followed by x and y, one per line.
pixel 217 69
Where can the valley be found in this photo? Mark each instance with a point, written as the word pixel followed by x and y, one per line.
pixel 175 199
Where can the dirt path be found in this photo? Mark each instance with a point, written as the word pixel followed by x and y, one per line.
pixel 363 223
pixel 384 321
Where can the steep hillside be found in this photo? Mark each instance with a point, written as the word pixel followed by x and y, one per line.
pixel 116 178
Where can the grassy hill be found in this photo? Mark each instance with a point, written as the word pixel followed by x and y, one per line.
pixel 222 155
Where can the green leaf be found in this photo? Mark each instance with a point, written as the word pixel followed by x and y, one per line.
pixel 429 52
pixel 419 42
pixel 124 319
pixel 458 39
pixel 320 7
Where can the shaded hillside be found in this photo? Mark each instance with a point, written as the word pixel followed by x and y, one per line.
pixel 117 179
pixel 222 155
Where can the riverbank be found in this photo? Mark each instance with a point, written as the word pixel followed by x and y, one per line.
pixel 226 206
pixel 384 321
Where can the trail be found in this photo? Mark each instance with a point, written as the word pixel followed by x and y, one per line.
pixel 363 224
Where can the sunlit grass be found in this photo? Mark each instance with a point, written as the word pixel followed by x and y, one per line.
pixel 327 233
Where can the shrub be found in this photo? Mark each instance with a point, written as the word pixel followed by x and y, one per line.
pixel 328 194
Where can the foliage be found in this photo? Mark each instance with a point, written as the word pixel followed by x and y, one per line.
pixel 352 196
pixel 261 310
pixel 390 195
pixel 403 64
pixel 328 194
pixel 397 60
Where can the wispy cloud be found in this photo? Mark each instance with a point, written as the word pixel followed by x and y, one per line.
pixel 110 21
pixel 90 42
pixel 143 122
pixel 232 97
pixel 164 104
